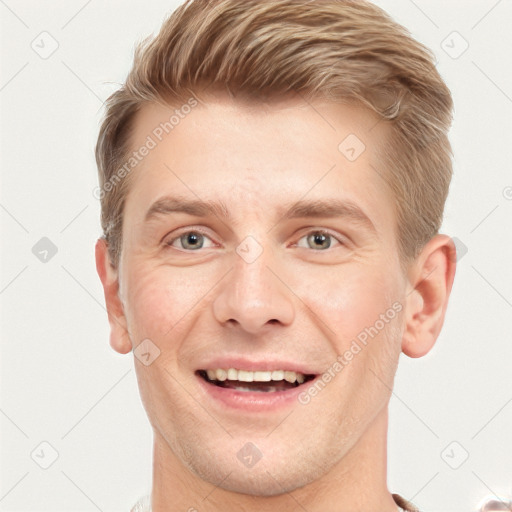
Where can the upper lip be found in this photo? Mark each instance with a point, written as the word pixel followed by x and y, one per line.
pixel 263 365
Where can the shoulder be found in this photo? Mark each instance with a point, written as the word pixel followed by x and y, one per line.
pixel 143 505
pixel 404 504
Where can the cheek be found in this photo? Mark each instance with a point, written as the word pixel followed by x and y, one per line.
pixel 350 301
pixel 155 301
pixel 150 308
pixel 160 300
pixel 368 347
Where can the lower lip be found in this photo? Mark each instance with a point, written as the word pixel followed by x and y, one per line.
pixel 258 401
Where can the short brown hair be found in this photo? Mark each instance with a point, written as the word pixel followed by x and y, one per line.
pixel 340 50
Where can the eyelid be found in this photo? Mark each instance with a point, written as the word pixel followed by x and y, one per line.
pixel 310 230
pixel 183 231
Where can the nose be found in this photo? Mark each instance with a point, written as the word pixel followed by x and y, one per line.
pixel 253 296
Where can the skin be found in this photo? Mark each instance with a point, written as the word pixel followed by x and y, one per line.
pixel 297 301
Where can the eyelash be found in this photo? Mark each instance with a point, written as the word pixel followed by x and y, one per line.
pixel 203 233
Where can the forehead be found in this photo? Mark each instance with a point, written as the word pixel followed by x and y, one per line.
pixel 253 157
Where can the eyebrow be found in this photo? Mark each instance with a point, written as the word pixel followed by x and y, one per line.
pixel 331 208
pixel 197 208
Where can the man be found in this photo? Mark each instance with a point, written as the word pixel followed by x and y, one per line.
pixel 273 176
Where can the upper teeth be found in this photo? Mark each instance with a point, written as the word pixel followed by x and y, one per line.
pixel 246 376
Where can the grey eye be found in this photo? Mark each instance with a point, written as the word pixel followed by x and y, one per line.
pixel 317 240
pixel 192 240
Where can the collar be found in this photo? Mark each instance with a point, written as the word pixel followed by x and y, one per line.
pixel 144 504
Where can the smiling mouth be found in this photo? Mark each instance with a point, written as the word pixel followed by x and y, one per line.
pixel 262 381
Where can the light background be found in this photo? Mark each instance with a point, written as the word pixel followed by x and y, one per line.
pixel 62 383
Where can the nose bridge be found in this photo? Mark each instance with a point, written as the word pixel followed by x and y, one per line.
pixel 253 296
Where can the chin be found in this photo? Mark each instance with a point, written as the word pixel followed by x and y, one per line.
pixel 273 475
pixel 258 483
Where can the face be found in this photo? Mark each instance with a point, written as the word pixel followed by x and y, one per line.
pixel 257 252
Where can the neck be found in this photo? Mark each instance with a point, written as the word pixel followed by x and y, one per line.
pixel 356 484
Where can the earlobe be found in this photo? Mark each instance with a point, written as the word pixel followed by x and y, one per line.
pixel 431 280
pixel 119 336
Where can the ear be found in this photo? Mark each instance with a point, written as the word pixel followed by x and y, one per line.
pixel 431 277
pixel 109 276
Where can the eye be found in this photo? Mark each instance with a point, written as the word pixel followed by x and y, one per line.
pixel 190 241
pixel 194 239
pixel 320 240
